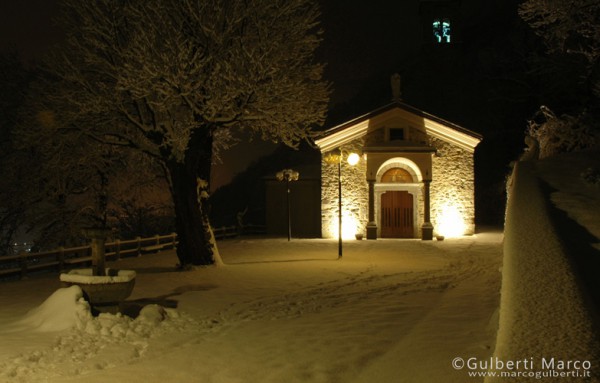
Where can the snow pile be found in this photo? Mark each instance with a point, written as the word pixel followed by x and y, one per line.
pixel 87 343
pixel 64 309
pixel 544 312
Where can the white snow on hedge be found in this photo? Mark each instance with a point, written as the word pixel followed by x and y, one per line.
pixel 544 311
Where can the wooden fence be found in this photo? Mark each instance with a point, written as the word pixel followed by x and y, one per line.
pixel 67 258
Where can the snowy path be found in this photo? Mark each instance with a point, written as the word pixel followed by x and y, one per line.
pixel 389 311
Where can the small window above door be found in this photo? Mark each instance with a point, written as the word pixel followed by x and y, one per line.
pixel 396 134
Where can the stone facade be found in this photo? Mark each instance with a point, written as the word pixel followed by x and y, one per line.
pixel 355 194
pixel 434 197
pixel 452 186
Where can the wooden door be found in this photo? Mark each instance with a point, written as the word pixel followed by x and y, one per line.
pixel 397 214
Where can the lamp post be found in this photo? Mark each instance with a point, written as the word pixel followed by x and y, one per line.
pixel 335 157
pixel 288 175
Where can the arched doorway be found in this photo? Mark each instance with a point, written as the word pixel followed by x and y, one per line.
pixel 397 193
pixel 397 215
pixel 397 206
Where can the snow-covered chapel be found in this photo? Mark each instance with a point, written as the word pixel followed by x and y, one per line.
pixel 414 177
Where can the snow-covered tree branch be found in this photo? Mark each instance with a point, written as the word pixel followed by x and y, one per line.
pixel 176 79
pixel 566 26
pixel 571 28
pixel 551 135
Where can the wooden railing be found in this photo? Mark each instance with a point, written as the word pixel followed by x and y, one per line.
pixel 66 258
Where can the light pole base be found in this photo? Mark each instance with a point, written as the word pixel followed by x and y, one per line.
pixel 427 231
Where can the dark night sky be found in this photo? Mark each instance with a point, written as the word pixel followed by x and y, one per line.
pixel 364 43
pixel 361 38
pixel 27 25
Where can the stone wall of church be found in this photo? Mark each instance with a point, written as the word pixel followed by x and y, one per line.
pixel 452 192
pixel 355 194
pixel 452 189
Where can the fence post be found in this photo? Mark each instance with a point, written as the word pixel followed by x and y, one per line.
pixel 61 258
pixel 174 235
pixel 98 238
pixel 139 246
pixel 117 249
pixel 23 263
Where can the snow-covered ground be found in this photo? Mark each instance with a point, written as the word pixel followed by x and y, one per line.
pixel 278 311
pixel 389 311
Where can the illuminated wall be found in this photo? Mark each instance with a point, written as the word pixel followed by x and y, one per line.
pixel 435 149
pixel 355 195
pixel 452 194
pixel 452 190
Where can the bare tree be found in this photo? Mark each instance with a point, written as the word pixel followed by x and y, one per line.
pixel 175 79
pixel 66 177
pixel 566 26
pixel 18 181
pixel 139 200
pixel 571 27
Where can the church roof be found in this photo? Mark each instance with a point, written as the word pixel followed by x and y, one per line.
pixel 434 126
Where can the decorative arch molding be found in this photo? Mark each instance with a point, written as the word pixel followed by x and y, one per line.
pixel 402 163
pixel 397 175
pixel 380 187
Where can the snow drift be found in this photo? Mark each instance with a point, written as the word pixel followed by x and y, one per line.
pixel 544 311
pixel 64 309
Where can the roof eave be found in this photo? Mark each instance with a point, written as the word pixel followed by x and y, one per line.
pixel 437 127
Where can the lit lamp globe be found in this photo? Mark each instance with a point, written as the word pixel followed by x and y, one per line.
pixel 353 159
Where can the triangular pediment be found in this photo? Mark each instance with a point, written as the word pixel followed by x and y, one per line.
pixel 417 124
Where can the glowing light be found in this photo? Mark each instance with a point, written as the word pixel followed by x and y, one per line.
pixel 333 158
pixel 350 225
pixel 353 159
pixel 441 31
pixel 451 222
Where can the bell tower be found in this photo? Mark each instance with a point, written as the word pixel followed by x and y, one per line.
pixel 440 21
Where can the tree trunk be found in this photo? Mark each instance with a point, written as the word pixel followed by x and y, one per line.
pixel 188 182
